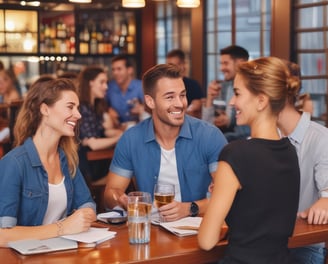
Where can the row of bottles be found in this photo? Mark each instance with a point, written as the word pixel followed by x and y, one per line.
pixel 93 33
pixel 100 39
pixel 57 37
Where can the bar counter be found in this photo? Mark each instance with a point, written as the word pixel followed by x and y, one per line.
pixel 163 248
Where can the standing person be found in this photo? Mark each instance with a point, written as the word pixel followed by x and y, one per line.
pixel 96 127
pixel 170 147
pixel 256 186
pixel 124 95
pixel 230 57
pixel 43 193
pixel 311 142
pixel 194 91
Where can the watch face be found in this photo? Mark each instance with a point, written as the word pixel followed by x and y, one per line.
pixel 194 209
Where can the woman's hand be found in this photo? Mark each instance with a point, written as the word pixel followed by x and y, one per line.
pixel 79 221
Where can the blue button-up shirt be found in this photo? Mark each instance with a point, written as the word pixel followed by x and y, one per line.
pixel 197 149
pixel 122 102
pixel 24 187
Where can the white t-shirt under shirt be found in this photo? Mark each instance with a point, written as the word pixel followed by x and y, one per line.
pixel 57 203
pixel 168 172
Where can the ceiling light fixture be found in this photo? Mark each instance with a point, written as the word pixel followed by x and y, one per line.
pixel 30 3
pixel 133 3
pixel 80 1
pixel 188 3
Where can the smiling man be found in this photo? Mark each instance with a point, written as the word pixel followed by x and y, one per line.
pixel 124 94
pixel 169 147
pixel 230 58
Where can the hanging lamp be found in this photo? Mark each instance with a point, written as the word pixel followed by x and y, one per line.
pixel 133 3
pixel 188 3
pixel 80 1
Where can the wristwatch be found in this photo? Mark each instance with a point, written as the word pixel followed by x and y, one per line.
pixel 194 209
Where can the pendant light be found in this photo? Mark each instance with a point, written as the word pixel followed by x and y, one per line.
pixel 133 3
pixel 80 1
pixel 188 3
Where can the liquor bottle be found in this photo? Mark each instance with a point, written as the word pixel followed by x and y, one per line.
pixel 84 40
pixel 122 37
pixel 94 41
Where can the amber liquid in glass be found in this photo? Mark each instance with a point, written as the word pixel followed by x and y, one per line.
pixel 163 199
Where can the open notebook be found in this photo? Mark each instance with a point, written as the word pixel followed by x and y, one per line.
pixel 92 237
pixel 183 227
pixel 34 246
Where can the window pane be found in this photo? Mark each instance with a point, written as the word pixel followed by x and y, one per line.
pixel 317 89
pixel 311 17
pixel 266 44
pixel 211 44
pixel 250 41
pixel 210 10
pixel 307 1
pixel 212 68
pixel 312 63
pixel 2 21
pixel 248 22
pixel 224 22
pixel 224 7
pixel 224 40
pixel 310 40
pixel 210 25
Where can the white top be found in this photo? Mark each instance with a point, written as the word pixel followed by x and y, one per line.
pixel 168 172
pixel 57 203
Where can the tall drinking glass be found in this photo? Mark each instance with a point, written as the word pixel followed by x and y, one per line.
pixel 139 217
pixel 163 194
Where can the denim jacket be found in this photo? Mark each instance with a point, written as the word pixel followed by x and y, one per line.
pixel 24 187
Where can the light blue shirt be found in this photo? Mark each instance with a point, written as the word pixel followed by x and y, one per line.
pixel 197 150
pixel 24 187
pixel 311 142
pixel 122 102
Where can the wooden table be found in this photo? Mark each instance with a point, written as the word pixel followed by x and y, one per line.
pixel 163 248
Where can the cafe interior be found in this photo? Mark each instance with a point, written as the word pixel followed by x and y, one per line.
pixel 54 37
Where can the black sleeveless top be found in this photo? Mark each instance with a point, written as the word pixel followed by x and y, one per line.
pixel 263 213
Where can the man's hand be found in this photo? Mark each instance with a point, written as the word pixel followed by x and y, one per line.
pixel 317 214
pixel 174 211
pixel 213 91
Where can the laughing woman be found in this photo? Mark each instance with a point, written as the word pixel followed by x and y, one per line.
pixel 43 193
pixel 256 185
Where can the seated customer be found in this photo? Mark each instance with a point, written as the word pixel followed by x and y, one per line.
pixel 194 91
pixel 311 142
pixel 43 193
pixel 256 186
pixel 8 92
pixel 124 95
pixel 96 127
pixel 170 147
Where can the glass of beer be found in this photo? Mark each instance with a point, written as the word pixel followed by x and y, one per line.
pixel 163 194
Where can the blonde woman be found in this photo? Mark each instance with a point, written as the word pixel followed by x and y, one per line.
pixel 256 185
